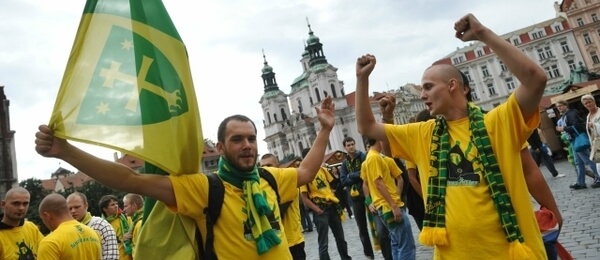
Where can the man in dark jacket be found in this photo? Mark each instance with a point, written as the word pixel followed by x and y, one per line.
pixel 540 153
pixel 350 177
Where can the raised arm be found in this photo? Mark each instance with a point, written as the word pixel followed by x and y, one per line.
pixel 111 174
pixel 538 188
pixel 532 77
pixel 310 164
pixel 364 115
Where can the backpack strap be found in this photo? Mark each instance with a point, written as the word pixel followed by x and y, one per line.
pixel 267 176
pixel 216 194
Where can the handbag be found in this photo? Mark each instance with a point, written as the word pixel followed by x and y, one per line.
pixel 581 141
pixel 595 149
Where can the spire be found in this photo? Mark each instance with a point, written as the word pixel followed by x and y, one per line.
pixel 314 47
pixel 268 76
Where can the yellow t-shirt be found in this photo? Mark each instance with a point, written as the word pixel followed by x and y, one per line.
pixel 470 212
pixel 410 165
pixel 135 235
pixel 19 242
pixel 376 166
pixel 319 187
pixel 233 238
pixel 291 223
pixel 116 224
pixel 71 241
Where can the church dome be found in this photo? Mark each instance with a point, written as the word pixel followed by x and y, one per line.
pixel 312 39
pixel 267 69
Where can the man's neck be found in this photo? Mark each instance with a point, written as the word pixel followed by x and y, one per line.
pixel 11 222
pixel 352 154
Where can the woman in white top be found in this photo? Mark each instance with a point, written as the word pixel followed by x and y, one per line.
pixel 592 121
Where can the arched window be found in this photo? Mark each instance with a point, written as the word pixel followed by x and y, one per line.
pixel 318 95
pixel 299 105
pixel 333 92
pixel 283 114
pixel 269 117
pixel 275 118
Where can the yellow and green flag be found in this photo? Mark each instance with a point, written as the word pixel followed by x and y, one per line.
pixel 128 86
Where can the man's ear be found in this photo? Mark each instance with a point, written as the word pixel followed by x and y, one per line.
pixel 220 148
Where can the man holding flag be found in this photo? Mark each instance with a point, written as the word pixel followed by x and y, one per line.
pixel 128 86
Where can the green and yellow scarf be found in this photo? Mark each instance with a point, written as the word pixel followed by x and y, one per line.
pixel 86 219
pixel 124 228
pixel 434 224
pixel 257 207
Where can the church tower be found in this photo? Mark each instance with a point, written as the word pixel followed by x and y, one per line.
pixel 276 111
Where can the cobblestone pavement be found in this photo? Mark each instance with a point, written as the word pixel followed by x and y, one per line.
pixel 580 233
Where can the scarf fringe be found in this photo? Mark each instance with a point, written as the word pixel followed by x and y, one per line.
pixel 267 240
pixel 519 251
pixel 434 236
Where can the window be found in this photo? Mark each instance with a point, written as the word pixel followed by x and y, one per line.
pixel 468 75
pixel 587 39
pixel 541 54
pixel 598 32
pixel 564 45
pixel 269 117
pixel 485 71
pixel 557 28
pixel 502 66
pixel 283 114
pixel 299 101
pixel 510 83
pixel 548 51
pixel 594 17
pixel 537 35
pixel 458 60
pixel 275 118
pixel 318 95
pixel 479 53
pixel 594 57
pixel 572 65
pixel 474 95
pixel 333 91
pixel 516 41
pixel 491 89
pixel 580 22
pixel 544 53
pixel 552 71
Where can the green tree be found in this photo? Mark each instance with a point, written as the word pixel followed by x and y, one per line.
pixel 37 193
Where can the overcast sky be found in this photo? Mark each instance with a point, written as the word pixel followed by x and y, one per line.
pixel 224 39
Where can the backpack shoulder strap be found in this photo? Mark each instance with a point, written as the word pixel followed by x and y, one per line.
pixel 267 176
pixel 216 194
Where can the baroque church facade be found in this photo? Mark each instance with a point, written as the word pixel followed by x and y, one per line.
pixel 290 121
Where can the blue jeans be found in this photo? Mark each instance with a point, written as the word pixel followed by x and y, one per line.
pixel 383 235
pixel 581 159
pixel 403 242
pixel 330 219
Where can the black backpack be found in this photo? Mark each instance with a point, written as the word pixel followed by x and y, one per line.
pixel 216 194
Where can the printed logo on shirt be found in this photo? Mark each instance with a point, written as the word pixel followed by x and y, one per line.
pixel 460 169
pixel 25 252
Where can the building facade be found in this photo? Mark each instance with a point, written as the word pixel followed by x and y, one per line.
pixel 584 18
pixel 8 166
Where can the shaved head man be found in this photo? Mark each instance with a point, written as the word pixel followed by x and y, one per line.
pixel 19 238
pixel 69 238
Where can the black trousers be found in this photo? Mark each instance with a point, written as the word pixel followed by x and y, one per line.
pixel 297 251
pixel 360 216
